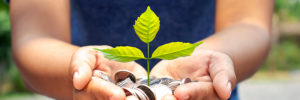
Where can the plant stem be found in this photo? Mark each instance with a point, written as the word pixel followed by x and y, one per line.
pixel 148 67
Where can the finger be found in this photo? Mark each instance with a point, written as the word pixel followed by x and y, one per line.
pixel 161 69
pixel 168 97
pixel 131 98
pixel 222 72
pixel 138 70
pixel 195 91
pixel 82 63
pixel 80 95
pixel 104 90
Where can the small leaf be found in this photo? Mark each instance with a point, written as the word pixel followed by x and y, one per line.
pixel 147 25
pixel 174 50
pixel 122 53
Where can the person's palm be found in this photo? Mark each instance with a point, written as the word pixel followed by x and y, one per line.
pixel 212 71
pixel 86 66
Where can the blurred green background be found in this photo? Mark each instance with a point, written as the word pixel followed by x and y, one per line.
pixel 10 80
pixel 284 57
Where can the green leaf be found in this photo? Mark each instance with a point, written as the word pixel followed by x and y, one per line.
pixel 147 25
pixel 174 50
pixel 122 53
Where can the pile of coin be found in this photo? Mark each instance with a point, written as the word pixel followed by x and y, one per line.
pixel 158 88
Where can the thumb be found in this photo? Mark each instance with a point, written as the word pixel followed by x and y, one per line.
pixel 223 85
pixel 82 76
pixel 222 72
pixel 82 64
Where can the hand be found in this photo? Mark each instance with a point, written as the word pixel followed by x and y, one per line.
pixel 85 62
pixel 99 89
pixel 213 70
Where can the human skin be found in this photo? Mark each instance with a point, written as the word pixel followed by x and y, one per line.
pixel 235 52
pixel 85 68
pixel 47 62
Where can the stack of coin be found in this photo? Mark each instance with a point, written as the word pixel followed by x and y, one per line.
pixel 158 88
pixel 142 92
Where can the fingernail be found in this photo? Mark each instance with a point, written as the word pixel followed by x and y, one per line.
pixel 229 87
pixel 76 75
pixel 75 80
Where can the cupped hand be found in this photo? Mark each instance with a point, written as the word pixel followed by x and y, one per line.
pixel 213 71
pixel 85 64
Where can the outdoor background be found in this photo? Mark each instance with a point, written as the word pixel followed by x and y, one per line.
pixel 278 78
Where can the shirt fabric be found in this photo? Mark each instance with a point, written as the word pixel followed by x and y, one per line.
pixel 110 22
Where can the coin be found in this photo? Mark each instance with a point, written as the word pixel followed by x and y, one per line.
pixel 161 90
pixel 185 80
pixel 123 74
pixel 126 83
pixel 129 91
pixel 155 81
pixel 141 79
pixel 144 80
pixel 159 87
pixel 148 92
pixel 103 76
pixel 137 92
pixel 166 81
pixel 141 94
pixel 173 85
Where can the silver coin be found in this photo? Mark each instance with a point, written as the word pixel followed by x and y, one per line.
pixel 159 87
pixel 166 81
pixel 139 80
pixel 124 74
pixel 137 92
pixel 129 91
pixel 144 80
pixel 173 85
pixel 185 80
pixel 141 94
pixel 105 77
pixel 147 91
pixel 155 81
pixel 126 83
pixel 161 90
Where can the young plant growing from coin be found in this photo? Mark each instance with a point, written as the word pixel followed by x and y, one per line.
pixel 146 27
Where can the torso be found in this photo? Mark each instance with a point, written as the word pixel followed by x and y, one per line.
pixel 110 22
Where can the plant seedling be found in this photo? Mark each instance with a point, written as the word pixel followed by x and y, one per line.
pixel 146 27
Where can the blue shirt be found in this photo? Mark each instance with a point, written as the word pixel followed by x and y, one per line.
pixel 110 22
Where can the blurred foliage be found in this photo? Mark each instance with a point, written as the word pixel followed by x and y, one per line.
pixel 288 10
pixel 285 54
pixel 4 35
pixel 10 80
pixel 4 31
